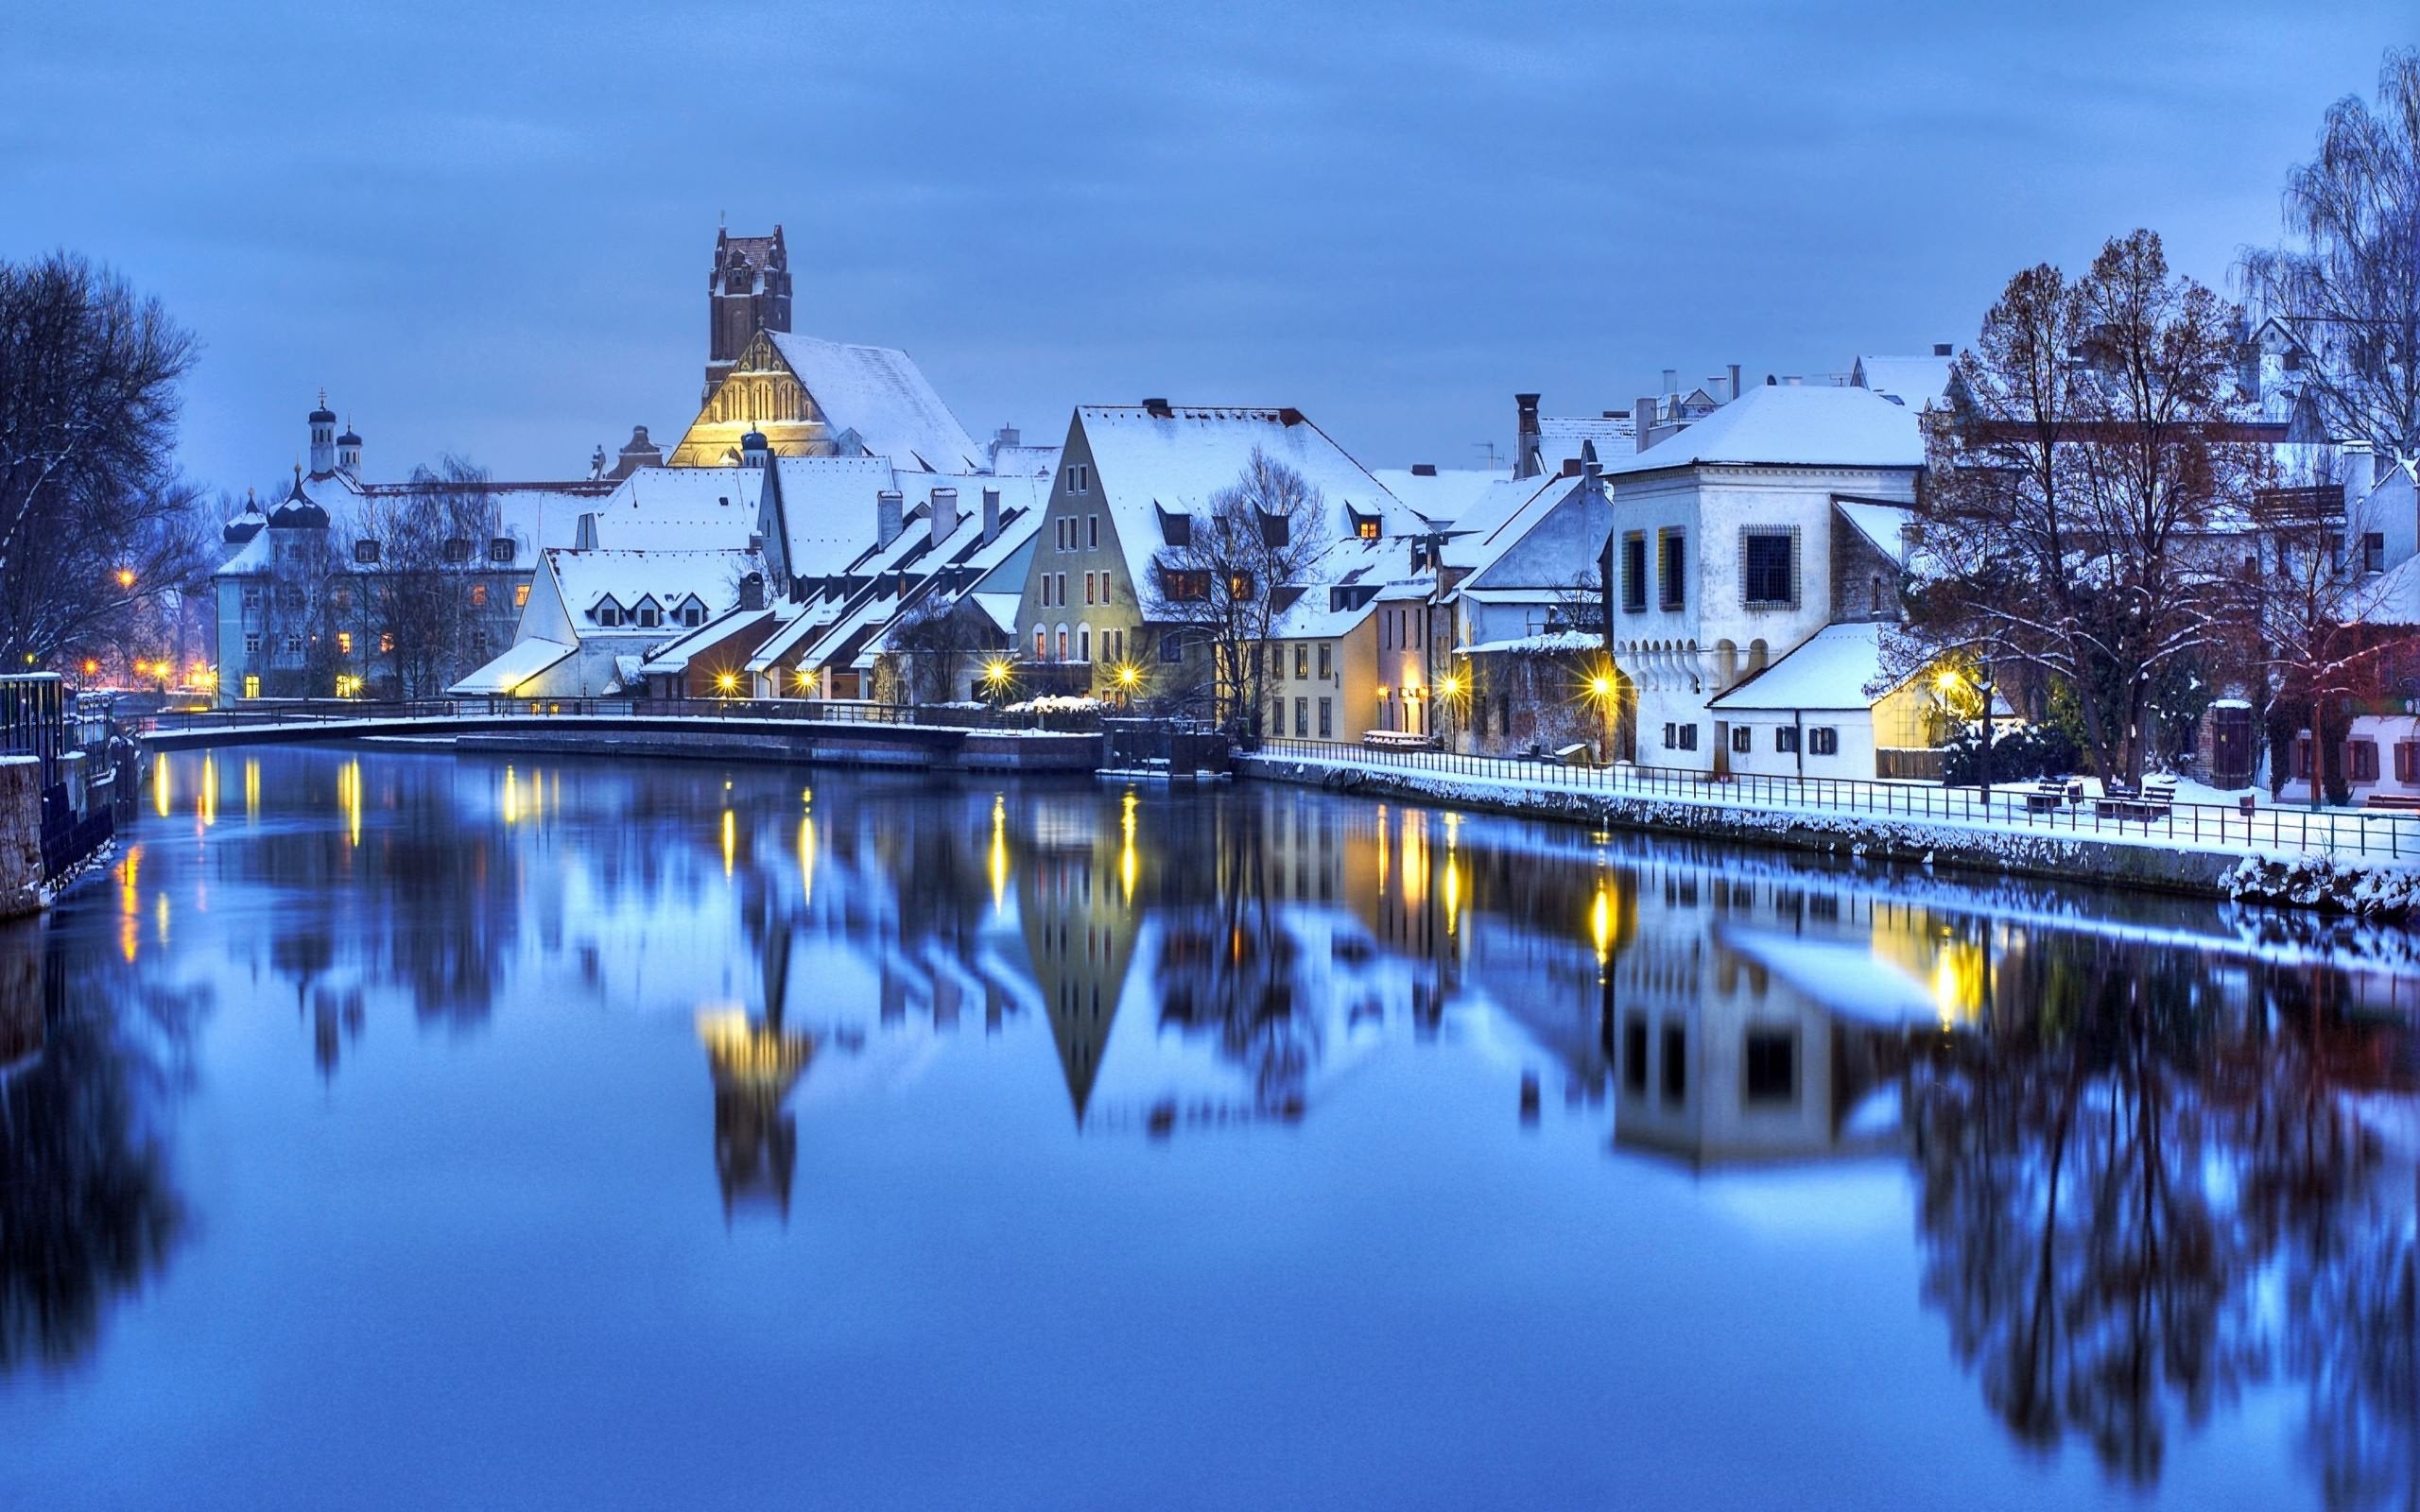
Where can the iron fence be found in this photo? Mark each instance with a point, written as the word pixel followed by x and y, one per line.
pixel 2016 807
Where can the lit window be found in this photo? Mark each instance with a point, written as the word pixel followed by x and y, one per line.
pixel 344 642
pixel 478 596
pixel 521 595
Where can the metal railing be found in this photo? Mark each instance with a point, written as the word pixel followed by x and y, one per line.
pixel 2016 807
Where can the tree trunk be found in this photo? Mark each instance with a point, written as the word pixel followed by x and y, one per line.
pixel 2318 756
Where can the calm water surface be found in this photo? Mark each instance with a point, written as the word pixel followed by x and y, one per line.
pixel 395 1128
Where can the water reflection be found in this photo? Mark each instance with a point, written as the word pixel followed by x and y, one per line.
pixel 90 1056
pixel 2160 1155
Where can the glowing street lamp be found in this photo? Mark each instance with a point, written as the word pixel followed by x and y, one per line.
pixel 996 673
pixel 126 577
pixel 727 682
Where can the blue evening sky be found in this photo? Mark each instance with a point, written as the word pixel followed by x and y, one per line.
pixel 486 228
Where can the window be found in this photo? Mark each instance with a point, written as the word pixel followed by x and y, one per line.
pixel 1634 1052
pixel 1088 588
pixel 1059 534
pixel 501 549
pixel 1039 645
pixel 1080 478
pixel 1059 593
pixel 294 645
pixel 478 596
pixel 1769 1067
pixel 1062 643
pixel 1328 719
pixel 609 613
pixel 1302 716
pixel 649 616
pixel 458 550
pixel 1742 739
pixel 1824 740
pixel 1083 642
pixel 2373 552
pixel 1328 662
pixel 1671 568
pixel 1367 529
pixel 365 551
pixel 2361 761
pixel 1676 1061
pixel 252 598
pixel 1104 588
pixel 1769 567
pixel 252 687
pixel 1786 740
pixel 1275 529
pixel 521 596
pixel 1633 574
pixel 693 613
pixel 1171 647
pixel 386 645
pixel 1176 529
pixel 1301 660
pixel 1679 737
pixel 1186 587
pixel 2406 761
pixel 344 642
pixel 1091 532
pixel 251 647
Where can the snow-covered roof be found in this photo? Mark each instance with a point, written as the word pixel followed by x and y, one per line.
pixel 1832 669
pixel 515 665
pixel 1885 525
pixel 1559 437
pixel 1001 607
pixel 881 394
pixel 671 509
pixel 1914 381
pixel 1553 640
pixel 1778 424
pixel 670 577
pixel 673 655
pixel 1315 616
pixel 1177 460
pixel 1024 461
pixel 1484 546
pixel 1438 496
pixel 533 519
pixel 1480 533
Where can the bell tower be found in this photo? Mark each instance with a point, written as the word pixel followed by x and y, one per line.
pixel 746 291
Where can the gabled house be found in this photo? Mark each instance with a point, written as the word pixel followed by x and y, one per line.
pixel 1134 479
pixel 595 616
pixel 809 397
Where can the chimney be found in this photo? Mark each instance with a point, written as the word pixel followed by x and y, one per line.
pixel 945 514
pixel 1570 468
pixel 1423 470
pixel 888 508
pixel 751 591
pixel 1008 436
pixel 1945 348
pixel 1159 409
pixel 1735 383
pixel 2356 470
pixel 1671 380
pixel 1794 380
pixel 991 515
pixel 1527 462
pixel 1642 422
pixel 1590 467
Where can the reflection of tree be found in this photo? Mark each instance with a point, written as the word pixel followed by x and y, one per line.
pixel 2107 1177
pixel 87 1210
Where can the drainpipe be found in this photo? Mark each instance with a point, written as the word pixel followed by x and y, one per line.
pixel 1798 722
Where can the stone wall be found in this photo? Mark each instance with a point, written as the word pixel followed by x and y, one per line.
pixel 21 889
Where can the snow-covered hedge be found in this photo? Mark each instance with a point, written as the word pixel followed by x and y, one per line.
pixel 2322 882
pixel 1052 703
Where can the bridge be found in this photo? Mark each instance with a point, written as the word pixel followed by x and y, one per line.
pixel 807 731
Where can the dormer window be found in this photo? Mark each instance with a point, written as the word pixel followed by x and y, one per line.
pixel 502 549
pixel 1365 526
pixel 365 551
pixel 608 613
pixel 693 613
pixel 1176 529
pixel 458 550
pixel 648 614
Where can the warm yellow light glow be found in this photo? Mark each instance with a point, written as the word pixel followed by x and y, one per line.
pixel 727 681
pixel 1129 674
pixel 251 786
pixel 206 805
pixel 995 673
pixel 1601 924
pixel 1601 685
pixel 1453 883
pixel 1958 982
pixel 1127 866
pixel 1450 684
pixel 126 577
pixel 729 840
pixel 511 805
pixel 1947 679
pixel 1415 859
pixel 806 859
pixel 999 856
pixel 160 784
pixel 91 666
pixel 350 786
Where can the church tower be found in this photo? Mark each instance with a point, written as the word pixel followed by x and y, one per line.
pixel 748 290
pixel 324 439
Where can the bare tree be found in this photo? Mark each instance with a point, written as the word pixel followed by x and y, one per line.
pixel 432 542
pixel 1218 582
pixel 94 517
pixel 935 640
pixel 2088 447
pixel 2348 290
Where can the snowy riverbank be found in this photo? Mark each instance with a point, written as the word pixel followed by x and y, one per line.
pixel 2205 866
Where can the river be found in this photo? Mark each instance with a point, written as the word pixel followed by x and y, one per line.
pixel 394 1128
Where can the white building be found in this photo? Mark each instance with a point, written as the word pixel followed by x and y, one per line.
pixel 1730 549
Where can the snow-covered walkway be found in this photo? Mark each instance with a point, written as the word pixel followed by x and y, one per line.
pixel 2017 809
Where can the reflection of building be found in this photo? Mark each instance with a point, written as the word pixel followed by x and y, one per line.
pixel 1075 900
pixel 754 1065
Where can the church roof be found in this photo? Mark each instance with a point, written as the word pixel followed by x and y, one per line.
pixel 880 393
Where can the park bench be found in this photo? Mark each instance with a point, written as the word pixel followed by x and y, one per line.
pixel 2046 797
pixel 2148 806
pixel 2401 802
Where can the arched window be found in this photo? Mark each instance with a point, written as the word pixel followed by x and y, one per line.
pixel 1039 645
pixel 1063 643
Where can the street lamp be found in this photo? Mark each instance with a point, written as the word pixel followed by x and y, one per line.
pixel 126 577
pixel 727 682
pixel 996 673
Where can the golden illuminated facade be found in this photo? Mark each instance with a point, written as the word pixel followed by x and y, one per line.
pixel 758 391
